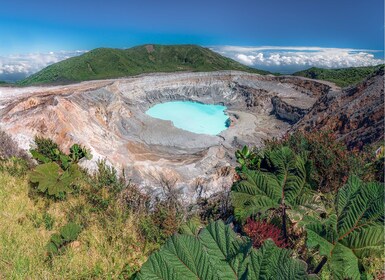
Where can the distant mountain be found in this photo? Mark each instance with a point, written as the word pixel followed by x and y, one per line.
pixel 341 77
pixel 105 63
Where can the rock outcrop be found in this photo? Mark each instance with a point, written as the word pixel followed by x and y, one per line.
pixel 355 114
pixel 108 116
pixel 287 112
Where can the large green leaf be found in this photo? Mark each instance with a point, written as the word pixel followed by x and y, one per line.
pixel 45 175
pixel 39 157
pixel 257 192
pixel 354 231
pixel 218 253
pixel 283 180
pixel 53 180
pixel 271 262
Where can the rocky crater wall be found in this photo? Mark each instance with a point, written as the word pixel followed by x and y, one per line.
pixel 109 118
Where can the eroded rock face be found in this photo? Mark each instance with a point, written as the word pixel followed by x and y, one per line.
pixel 355 114
pixel 108 117
pixel 287 112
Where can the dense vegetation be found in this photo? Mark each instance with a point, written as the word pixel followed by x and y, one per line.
pixel 334 224
pixel 341 77
pixel 301 207
pixel 104 63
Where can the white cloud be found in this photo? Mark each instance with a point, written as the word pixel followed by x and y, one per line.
pixel 299 57
pixel 26 64
pixel 284 59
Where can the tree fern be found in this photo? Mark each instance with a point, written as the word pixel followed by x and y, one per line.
pixel 217 253
pixel 280 182
pixel 353 231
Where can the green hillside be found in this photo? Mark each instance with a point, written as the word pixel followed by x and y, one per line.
pixel 342 77
pixel 104 63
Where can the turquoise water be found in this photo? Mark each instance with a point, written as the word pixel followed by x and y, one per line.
pixel 192 116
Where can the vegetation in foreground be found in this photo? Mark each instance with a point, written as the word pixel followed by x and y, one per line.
pixel 302 207
pixel 55 224
pixel 105 63
pixel 341 77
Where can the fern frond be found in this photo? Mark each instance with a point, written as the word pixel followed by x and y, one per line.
pixel 219 254
pixel 354 232
pixel 284 180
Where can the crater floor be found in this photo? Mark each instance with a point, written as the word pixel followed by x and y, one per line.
pixel 108 117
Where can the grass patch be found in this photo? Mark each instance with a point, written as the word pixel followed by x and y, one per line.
pixel 109 246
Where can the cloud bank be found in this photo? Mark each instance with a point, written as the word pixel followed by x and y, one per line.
pixel 271 58
pixel 290 59
pixel 19 66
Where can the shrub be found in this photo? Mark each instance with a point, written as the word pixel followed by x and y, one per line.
pixel 106 186
pixel 107 177
pixel 247 159
pixel 259 231
pixel 165 213
pixel 160 222
pixel 46 150
pixel 149 230
pixel 78 152
pixel 133 199
pixel 216 207
pixel 331 160
pixel 166 218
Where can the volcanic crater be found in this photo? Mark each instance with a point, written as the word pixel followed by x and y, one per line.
pixel 108 117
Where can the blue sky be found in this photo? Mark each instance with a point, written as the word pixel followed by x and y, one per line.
pixel 50 26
